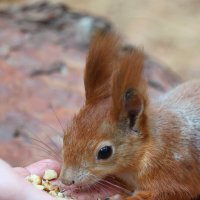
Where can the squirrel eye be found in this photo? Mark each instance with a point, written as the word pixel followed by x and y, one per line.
pixel 104 153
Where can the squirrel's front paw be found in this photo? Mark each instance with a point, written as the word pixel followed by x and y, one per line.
pixel 115 197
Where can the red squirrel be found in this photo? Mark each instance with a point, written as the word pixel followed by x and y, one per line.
pixel 149 145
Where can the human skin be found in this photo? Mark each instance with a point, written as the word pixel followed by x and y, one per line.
pixel 14 187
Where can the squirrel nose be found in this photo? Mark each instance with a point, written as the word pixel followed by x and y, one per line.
pixel 67 176
pixel 67 182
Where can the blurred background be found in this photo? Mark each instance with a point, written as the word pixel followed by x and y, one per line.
pixel 43 47
pixel 168 30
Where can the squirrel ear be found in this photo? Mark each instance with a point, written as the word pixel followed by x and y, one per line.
pixel 99 66
pixel 129 91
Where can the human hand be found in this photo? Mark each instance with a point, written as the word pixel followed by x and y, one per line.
pixel 14 187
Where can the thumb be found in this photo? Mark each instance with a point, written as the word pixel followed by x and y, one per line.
pixel 14 187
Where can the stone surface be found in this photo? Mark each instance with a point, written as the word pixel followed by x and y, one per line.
pixel 42 55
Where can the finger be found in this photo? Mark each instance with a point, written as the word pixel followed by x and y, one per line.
pixel 22 171
pixel 14 187
pixel 32 193
pixel 40 167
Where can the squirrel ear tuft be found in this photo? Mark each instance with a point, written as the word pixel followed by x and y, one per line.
pixel 129 90
pixel 99 66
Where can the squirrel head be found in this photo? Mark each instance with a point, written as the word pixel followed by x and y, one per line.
pixel 107 136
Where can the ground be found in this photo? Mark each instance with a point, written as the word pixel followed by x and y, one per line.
pixel 168 29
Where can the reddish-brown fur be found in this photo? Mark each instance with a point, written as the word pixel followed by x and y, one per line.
pixel 157 155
